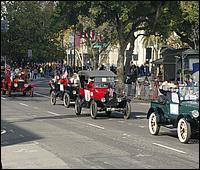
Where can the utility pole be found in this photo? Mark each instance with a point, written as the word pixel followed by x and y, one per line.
pixel 74 48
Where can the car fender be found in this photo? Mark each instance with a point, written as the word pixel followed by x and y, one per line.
pixel 150 111
pixel 158 112
pixel 187 117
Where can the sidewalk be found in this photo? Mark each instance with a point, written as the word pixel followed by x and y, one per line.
pixel 30 156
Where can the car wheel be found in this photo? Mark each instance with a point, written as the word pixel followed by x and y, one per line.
pixel 108 113
pixel 93 109
pixel 127 111
pixel 66 100
pixel 3 92
pixel 153 124
pixel 184 130
pixel 53 98
pixel 78 106
pixel 24 93
pixel 9 91
pixel 31 93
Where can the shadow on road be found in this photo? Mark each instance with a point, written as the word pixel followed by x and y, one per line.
pixel 173 133
pixel 15 135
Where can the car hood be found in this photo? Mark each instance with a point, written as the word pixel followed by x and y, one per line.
pixel 190 103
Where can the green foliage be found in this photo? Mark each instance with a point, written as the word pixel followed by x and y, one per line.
pixel 30 28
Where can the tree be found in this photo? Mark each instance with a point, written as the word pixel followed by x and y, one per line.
pixel 126 18
pixel 30 28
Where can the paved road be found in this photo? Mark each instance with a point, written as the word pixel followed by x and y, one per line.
pixel 36 134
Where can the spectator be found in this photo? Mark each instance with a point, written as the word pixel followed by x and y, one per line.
pixel 128 85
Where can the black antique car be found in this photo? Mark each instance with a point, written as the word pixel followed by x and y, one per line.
pixel 102 96
pixel 64 90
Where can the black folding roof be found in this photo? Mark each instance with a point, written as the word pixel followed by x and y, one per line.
pixel 97 73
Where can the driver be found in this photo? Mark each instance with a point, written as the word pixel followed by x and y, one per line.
pixel 166 88
pixel 90 83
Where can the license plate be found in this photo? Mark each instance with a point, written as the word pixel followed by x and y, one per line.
pixel 61 87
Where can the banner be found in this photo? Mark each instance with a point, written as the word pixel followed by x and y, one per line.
pixel 7 70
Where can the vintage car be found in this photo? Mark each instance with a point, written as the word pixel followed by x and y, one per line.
pixel 64 90
pixel 102 96
pixel 179 110
pixel 16 84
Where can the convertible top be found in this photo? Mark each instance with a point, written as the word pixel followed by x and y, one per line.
pixel 97 73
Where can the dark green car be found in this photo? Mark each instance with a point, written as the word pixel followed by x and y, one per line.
pixel 180 110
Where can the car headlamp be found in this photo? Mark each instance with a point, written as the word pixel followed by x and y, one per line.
pixel 15 84
pixel 103 99
pixel 195 113
pixel 25 85
pixel 74 91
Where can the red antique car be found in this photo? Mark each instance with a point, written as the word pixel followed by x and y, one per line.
pixel 97 92
pixel 16 84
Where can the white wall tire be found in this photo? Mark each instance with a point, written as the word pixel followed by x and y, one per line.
pixel 154 128
pixel 127 111
pixel 183 130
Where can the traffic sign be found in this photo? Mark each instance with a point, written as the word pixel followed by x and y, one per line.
pixel 29 53
pixel 100 45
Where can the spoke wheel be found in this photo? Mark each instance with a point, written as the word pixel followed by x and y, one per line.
pixel 93 109
pixel 127 111
pixel 184 130
pixel 66 100
pixel 53 98
pixel 31 93
pixel 78 106
pixel 153 125
pixel 9 91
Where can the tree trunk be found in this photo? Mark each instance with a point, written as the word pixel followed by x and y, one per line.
pixel 120 69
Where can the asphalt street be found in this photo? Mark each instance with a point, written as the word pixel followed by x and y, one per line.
pixel 36 134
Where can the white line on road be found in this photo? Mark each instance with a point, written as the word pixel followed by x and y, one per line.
pixel 142 116
pixel 54 113
pixel 3 98
pixel 21 135
pixel 3 131
pixel 100 127
pixel 169 148
pixel 23 104
pixel 41 94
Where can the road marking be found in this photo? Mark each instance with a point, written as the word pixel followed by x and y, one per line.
pixel 54 113
pixel 23 104
pixel 169 148
pixel 142 126
pixel 3 98
pixel 3 131
pixel 35 107
pixel 142 116
pixel 21 135
pixel 100 127
pixel 41 95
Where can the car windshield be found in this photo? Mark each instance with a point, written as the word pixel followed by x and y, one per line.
pixel 104 82
pixel 189 93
